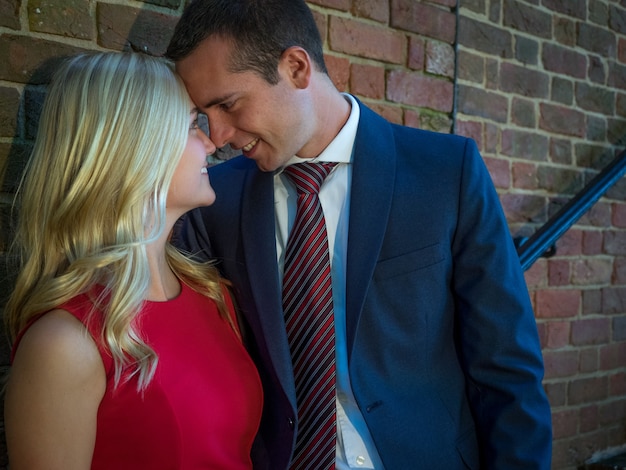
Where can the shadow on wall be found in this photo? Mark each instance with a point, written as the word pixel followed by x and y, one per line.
pixel 120 28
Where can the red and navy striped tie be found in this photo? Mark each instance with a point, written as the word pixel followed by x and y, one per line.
pixel 310 323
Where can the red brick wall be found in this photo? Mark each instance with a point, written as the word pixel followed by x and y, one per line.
pixel 542 88
pixel 540 85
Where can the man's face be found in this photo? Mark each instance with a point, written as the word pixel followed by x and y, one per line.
pixel 265 122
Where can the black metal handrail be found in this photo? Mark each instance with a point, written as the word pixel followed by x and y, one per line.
pixel 543 240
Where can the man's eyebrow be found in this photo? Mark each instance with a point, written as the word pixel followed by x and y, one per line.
pixel 217 100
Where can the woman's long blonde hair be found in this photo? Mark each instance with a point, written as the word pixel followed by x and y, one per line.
pixel 112 130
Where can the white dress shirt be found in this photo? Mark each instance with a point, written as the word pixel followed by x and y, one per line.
pixel 355 446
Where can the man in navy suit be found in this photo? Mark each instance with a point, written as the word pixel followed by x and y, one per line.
pixel 437 355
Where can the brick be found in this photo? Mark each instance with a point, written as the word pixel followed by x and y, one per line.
pixel 617 19
pixel 591 331
pixel 471 129
pixel 321 21
pixel 560 363
pixel 559 180
pixel 71 18
pixel 598 12
pixel 617 76
pixel 29 60
pixel 594 156
pixel 619 270
pixel 523 112
pixel 616 129
pixel 391 113
pixel 338 71
pixel 471 67
pixel 10 14
pixel 595 99
pixel 564 423
pixel 617 384
pixel 475 101
pixel 589 360
pixel 477 6
pixel 621 50
pixel 367 80
pixel 416 57
pixel 557 335
pixel 536 276
pixel 439 59
pixel 411 118
pixel 526 50
pixel 613 412
pixel 485 38
pixel 415 89
pixel 598 215
pixel 120 27
pixel 377 10
pixel 558 272
pixel 561 120
pixel 366 40
pixel 492 74
pixel 527 145
pixel 564 61
pixel 612 356
pixel 564 31
pixel 492 137
pixel 562 90
pixel 596 128
pixel 500 171
pixel 592 242
pixel 527 19
pixel 13 159
pixel 588 418
pixel 621 104
pixel 570 243
pixel 615 242
pixel 343 5
pixel 523 81
pixel 613 300
pixel 560 151
pixel 588 390
pixel 524 175
pixel 596 71
pixel 524 208
pixel 424 19
pixel 597 40
pixel 592 301
pixel 556 393
pixel 434 121
pixel 553 303
pixel 619 328
pixel 9 109
pixel 574 8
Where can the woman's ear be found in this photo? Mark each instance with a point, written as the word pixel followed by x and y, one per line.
pixel 295 66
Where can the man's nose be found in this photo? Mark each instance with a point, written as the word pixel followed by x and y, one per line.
pixel 220 131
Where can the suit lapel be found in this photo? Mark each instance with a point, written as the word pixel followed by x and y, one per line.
pixel 259 246
pixel 373 176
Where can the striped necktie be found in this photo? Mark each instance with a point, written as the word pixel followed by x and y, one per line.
pixel 309 320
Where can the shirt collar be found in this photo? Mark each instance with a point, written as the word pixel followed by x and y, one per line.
pixel 340 148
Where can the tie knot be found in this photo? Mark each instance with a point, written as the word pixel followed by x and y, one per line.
pixel 308 177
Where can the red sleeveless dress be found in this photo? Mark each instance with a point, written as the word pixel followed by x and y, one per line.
pixel 202 408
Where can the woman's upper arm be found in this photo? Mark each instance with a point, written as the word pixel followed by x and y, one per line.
pixel 56 383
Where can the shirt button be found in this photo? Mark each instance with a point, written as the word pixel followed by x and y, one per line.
pixel 360 460
pixel 290 421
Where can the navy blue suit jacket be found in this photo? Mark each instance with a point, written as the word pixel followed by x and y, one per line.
pixel 444 356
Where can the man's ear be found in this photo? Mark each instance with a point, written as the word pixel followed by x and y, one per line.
pixel 295 66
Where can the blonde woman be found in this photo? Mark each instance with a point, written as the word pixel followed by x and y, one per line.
pixel 126 353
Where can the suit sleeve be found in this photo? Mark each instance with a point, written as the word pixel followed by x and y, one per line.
pixel 497 335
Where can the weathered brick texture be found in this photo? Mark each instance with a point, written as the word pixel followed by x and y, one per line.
pixel 539 84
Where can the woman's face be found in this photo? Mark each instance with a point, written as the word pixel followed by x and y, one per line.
pixel 190 187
